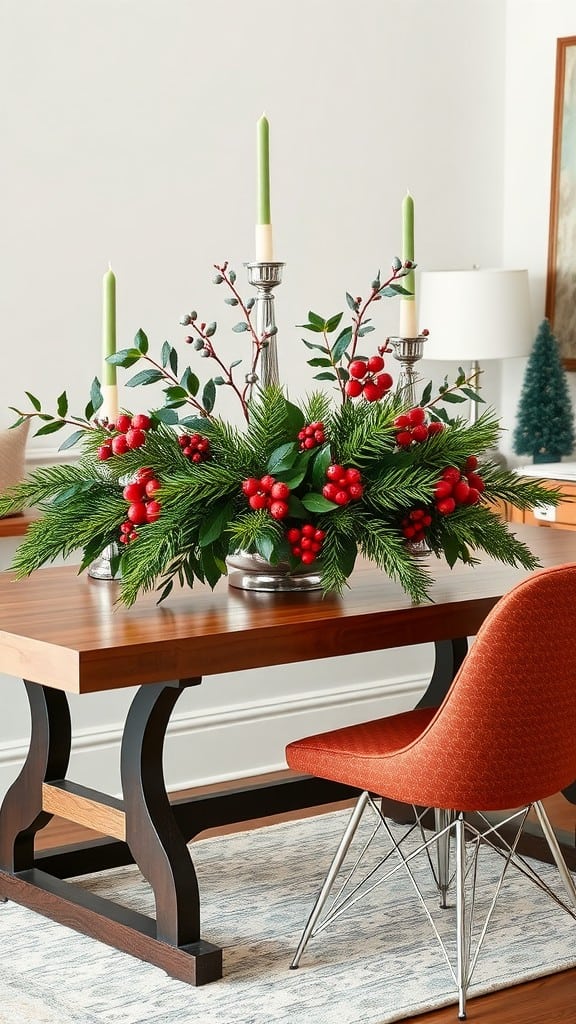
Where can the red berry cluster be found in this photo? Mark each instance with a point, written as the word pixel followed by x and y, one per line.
pixel 343 485
pixel 458 487
pixel 305 542
pixel 142 505
pixel 195 447
pixel 412 426
pixel 367 379
pixel 131 434
pixel 311 436
pixel 415 523
pixel 267 493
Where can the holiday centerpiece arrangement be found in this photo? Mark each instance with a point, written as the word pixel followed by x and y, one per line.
pixel 362 467
pixel 352 470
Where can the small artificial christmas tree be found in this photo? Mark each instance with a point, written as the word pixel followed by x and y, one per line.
pixel 545 425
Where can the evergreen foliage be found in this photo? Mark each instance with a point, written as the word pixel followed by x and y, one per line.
pixel 545 423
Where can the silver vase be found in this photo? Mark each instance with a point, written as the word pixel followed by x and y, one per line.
pixel 248 571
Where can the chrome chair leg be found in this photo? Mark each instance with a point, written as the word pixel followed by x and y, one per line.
pixel 461 932
pixel 550 837
pixel 442 819
pixel 331 876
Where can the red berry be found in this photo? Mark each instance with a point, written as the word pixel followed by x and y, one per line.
pixel 443 489
pixel 267 482
pixel 342 497
pixel 357 368
pixel 330 491
pixel 352 475
pixel 279 491
pixel 104 452
pixel 126 527
pixel 309 442
pixel 473 496
pixel 137 512
pixel 334 472
pixel 257 501
pixel 307 557
pixel 152 487
pixel 460 492
pixel 353 388
pixel 133 492
pixel 308 530
pixel 446 506
pixel 416 416
pixel 372 392
pixel 355 491
pixel 250 486
pixel 306 544
pixel 402 421
pixel 123 422
pixel 203 444
pixel 196 457
pixel 435 427
pixel 135 438
pixel 296 551
pixel 384 381
pixel 183 440
pixel 143 474
pixel 419 433
pixel 375 364
pixel 133 535
pixel 319 535
pixel 403 438
pixel 279 509
pixel 476 481
pixel 408 531
pixel 141 421
pixel 119 444
pixel 452 474
pixel 153 509
pixel 471 463
pixel 293 535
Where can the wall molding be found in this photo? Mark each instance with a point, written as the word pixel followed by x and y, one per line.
pixel 232 742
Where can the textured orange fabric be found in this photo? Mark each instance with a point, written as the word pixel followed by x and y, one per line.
pixel 504 736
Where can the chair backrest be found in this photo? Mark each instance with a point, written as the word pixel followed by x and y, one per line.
pixel 505 735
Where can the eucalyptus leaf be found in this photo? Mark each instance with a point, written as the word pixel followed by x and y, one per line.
pixel 71 441
pixel 96 398
pixel 325 376
pixel 190 382
pixel 316 320
pixel 125 357
pixel 240 327
pixel 144 377
pixel 62 404
pixel 209 395
pixel 50 428
pixel 166 415
pixel 341 344
pixel 351 302
pixel 333 323
pixel 451 397
pixel 165 353
pixel 141 342
pixel 173 360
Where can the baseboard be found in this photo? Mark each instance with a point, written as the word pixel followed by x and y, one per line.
pixel 229 742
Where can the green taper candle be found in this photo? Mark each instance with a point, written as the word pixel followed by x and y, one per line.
pixel 408 239
pixel 108 325
pixel 263 138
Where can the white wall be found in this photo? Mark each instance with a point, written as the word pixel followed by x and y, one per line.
pixel 532 28
pixel 128 134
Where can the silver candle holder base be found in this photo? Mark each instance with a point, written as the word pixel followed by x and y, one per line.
pixel 408 351
pixel 101 567
pixel 248 571
pixel 265 277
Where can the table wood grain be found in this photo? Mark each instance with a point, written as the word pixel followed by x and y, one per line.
pixel 68 631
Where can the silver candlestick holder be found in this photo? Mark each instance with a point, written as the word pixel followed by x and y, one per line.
pixel 408 351
pixel 101 567
pixel 265 277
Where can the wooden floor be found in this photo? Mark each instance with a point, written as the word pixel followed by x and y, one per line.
pixel 549 1000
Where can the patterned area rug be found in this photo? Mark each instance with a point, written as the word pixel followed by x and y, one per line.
pixel 377 964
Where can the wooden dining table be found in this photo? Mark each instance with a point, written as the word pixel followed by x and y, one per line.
pixel 61 632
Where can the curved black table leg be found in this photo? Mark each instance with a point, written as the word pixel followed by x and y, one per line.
pixel 21 815
pixel 449 656
pixel 152 833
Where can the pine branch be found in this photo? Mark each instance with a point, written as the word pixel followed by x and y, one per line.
pixel 523 493
pixel 383 546
pixel 477 528
pixel 44 484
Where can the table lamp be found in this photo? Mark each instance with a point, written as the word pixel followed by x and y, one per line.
pixel 475 315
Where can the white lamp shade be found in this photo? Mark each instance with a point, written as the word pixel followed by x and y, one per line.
pixel 476 314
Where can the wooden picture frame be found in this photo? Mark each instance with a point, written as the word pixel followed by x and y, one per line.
pixel 561 277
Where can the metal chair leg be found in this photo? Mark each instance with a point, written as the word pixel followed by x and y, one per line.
pixel 461 931
pixel 442 819
pixel 550 837
pixel 331 875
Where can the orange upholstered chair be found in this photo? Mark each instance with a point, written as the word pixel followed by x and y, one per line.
pixel 504 737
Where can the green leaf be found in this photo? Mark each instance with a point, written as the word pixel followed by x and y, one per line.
pixel 209 395
pixel 295 508
pixel 322 460
pixel 282 458
pixel 316 328
pixel 316 320
pixel 199 423
pixel 451 397
pixel 333 323
pixel 165 415
pixel 141 342
pixel 144 377
pixel 294 418
pixel 214 523
pixel 96 398
pixel 165 353
pixel 265 547
pixel 426 394
pixel 473 395
pixel 35 401
pixel 325 376
pixel 71 441
pixel 240 327
pixel 62 404
pixel 175 394
pixel 341 344
pixel 365 329
pixel 293 478
pixel 319 361
pixel 318 503
pixel 351 302
pixel 451 548
pixel 348 552
pixel 173 360
pixel 211 566
pixel 50 428
pixel 190 381
pixel 317 348
pixel 125 357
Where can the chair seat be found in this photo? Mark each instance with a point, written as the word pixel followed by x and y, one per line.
pixel 356 755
